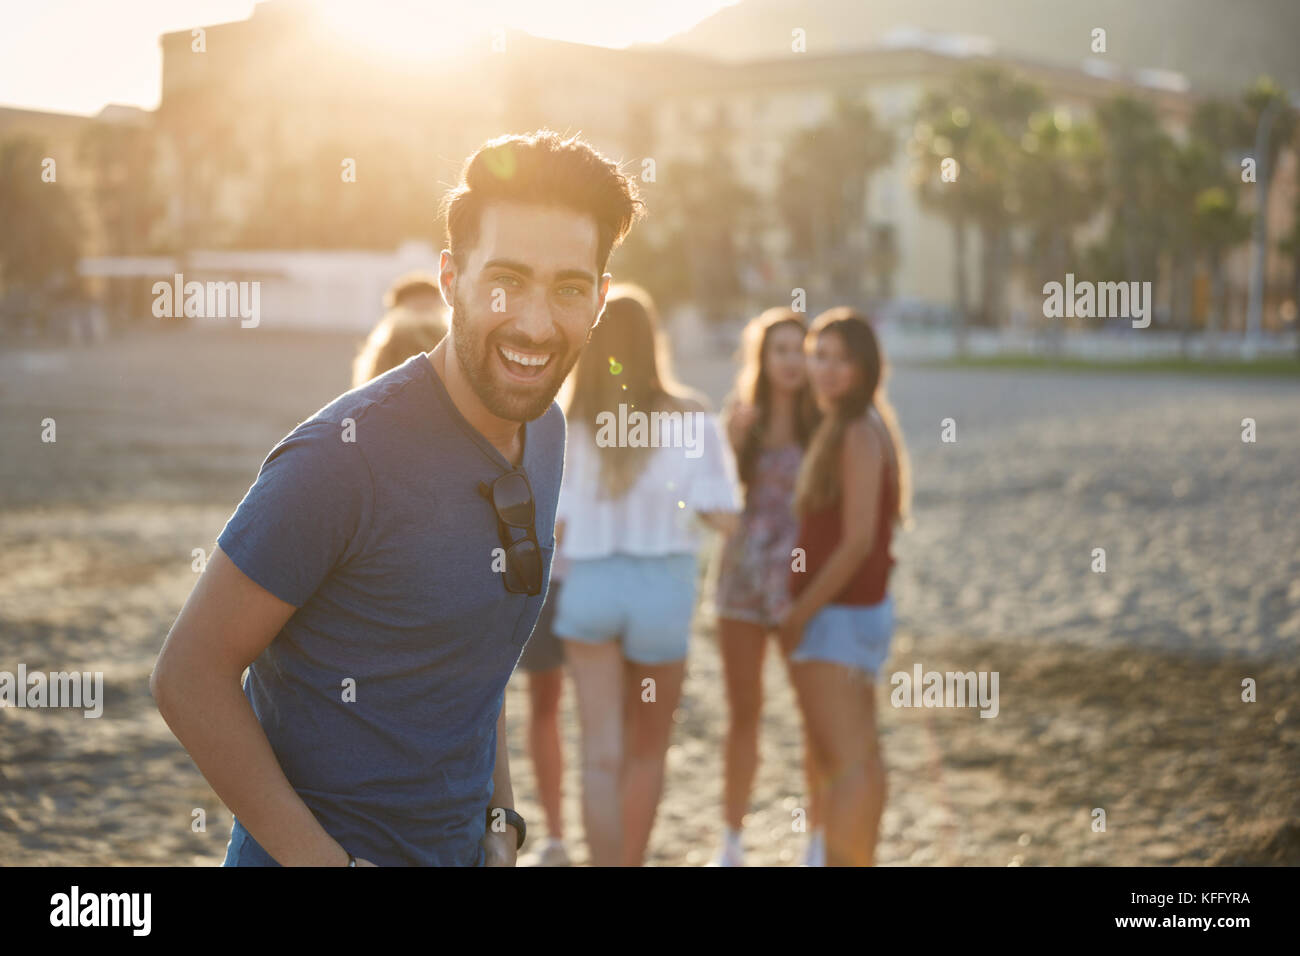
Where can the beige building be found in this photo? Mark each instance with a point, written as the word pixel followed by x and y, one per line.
pixel 766 102
pixel 281 97
pixel 63 137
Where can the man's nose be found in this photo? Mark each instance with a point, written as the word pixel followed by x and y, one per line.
pixel 533 320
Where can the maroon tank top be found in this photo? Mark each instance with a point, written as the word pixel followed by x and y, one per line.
pixel 819 536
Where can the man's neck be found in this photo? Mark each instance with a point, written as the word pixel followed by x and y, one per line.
pixel 502 433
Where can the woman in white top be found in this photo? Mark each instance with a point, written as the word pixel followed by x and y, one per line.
pixel 645 463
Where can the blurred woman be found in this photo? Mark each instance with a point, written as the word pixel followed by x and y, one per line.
pixel 626 525
pixel 401 333
pixel 851 490
pixel 769 418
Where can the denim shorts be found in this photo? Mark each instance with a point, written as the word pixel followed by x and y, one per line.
pixel 857 635
pixel 243 850
pixel 646 603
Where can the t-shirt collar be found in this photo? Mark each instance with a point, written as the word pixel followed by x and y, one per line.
pixel 489 449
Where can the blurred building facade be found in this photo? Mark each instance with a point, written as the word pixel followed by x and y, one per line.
pixel 259 119
pixel 69 140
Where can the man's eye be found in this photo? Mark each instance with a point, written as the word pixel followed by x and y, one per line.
pixel 571 290
pixel 506 280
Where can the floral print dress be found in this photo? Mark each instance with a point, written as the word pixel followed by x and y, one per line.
pixel 754 570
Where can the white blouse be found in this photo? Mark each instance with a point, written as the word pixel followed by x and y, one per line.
pixel 691 471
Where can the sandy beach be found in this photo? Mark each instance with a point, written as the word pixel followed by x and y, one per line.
pixel 1119 690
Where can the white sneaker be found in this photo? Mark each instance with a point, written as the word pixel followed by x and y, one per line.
pixel 553 853
pixel 732 852
pixel 815 854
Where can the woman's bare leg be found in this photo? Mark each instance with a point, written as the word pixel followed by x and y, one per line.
pixel 544 689
pixel 649 727
pixel 839 708
pixel 597 671
pixel 813 774
pixel 743 645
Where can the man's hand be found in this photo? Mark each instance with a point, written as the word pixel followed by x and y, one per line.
pixel 500 848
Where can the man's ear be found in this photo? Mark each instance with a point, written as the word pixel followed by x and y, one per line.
pixel 447 272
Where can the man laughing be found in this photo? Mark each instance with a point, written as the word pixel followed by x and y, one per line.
pixel 382 574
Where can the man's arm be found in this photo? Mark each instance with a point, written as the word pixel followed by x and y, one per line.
pixel 225 624
pixel 500 847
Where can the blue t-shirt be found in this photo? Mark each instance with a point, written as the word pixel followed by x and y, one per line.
pixel 385 545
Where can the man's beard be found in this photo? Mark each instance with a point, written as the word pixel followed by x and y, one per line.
pixel 513 401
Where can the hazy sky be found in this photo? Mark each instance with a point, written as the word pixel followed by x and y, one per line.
pixel 75 56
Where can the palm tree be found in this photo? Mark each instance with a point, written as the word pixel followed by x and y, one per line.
pixel 1139 164
pixel 704 209
pixel 1193 170
pixel 1289 245
pixel 1217 226
pixel 1270 116
pixel 1002 107
pixel 1061 189
pixel 1137 157
pixel 981 122
pixel 825 177
pixel 941 132
pixel 1214 221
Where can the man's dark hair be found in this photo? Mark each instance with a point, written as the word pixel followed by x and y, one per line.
pixel 544 168
pixel 407 286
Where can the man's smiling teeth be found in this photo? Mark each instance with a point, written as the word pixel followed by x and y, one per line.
pixel 522 359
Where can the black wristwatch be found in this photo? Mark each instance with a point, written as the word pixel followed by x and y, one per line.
pixel 512 820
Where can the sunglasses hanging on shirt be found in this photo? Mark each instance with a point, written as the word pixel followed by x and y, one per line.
pixel 512 500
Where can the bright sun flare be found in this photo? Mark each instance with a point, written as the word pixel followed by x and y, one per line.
pixel 407 29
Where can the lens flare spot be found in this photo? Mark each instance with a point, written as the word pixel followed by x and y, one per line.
pixel 500 161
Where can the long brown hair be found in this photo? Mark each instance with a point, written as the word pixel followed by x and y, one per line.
pixel 401 333
pixel 754 387
pixel 818 485
pixel 625 362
